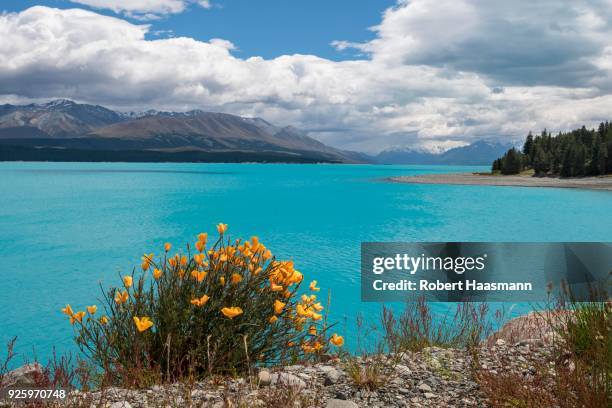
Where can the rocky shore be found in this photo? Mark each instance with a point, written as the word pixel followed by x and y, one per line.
pixel 433 377
pixel 590 183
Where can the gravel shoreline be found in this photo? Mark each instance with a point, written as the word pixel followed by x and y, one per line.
pixel 434 377
pixel 589 183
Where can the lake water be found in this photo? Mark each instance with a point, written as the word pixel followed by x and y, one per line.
pixel 66 227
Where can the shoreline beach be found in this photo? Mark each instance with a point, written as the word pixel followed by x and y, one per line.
pixel 589 183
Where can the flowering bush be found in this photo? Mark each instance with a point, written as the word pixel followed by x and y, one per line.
pixel 215 310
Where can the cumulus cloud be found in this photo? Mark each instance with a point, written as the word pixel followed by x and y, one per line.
pixel 144 9
pixel 524 42
pixel 401 95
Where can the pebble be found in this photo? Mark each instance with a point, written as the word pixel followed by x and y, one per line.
pixel 264 377
pixel 411 383
pixel 338 403
pixel 331 377
pixel 424 388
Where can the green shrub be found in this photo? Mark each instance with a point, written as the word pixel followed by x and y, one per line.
pixel 218 310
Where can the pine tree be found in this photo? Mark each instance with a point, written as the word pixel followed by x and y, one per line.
pixel 579 161
pixel 566 164
pixel 541 163
pixel 602 158
pixel 580 152
pixel 511 162
pixel 593 168
pixel 528 147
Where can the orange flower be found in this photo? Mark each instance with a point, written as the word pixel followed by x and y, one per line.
pixel 316 316
pixel 336 340
pixel 183 260
pixel 127 281
pixel 157 274
pixel 104 320
pixel 273 319
pixel 303 311
pixel 308 348
pixel 201 301
pixel 200 246
pixel 222 280
pixel 231 312
pixel 278 306
pixel 236 278
pixel 313 286
pixel 221 228
pixel 121 297
pixel 275 288
pixel 197 275
pixel 312 330
pixel 167 246
pixel 92 309
pixel 68 311
pixel 78 316
pixel 267 255
pixel 146 261
pixel 172 262
pixel 317 306
pixel 143 323
pixel 202 237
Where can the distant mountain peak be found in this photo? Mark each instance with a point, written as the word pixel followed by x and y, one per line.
pixel 59 103
pixel 480 152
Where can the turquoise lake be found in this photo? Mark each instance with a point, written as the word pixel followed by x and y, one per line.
pixel 66 227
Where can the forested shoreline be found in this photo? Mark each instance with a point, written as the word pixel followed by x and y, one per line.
pixel 578 153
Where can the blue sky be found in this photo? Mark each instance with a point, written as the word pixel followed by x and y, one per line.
pixel 267 28
pixel 364 75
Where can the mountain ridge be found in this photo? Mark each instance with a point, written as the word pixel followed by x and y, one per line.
pixel 480 152
pixel 65 124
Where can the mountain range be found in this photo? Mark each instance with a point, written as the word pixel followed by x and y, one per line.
pixel 481 152
pixel 66 130
pixel 63 130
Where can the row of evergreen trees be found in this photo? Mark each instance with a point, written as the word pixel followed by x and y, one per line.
pixel 578 153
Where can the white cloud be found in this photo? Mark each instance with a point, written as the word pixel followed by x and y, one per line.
pixel 144 9
pixel 364 104
pixel 546 42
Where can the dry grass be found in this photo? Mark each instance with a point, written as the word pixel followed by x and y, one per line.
pixel 578 372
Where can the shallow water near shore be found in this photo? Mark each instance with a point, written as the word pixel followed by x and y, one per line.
pixel 67 227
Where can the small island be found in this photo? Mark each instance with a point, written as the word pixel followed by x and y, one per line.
pixel 580 158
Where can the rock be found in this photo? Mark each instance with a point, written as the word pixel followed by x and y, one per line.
pixel 403 370
pixel 293 368
pixel 404 391
pixel 430 395
pixel 500 342
pixel 199 394
pixel 424 388
pixel 341 394
pixel 24 376
pixel 121 404
pixel 288 380
pixel 264 378
pixel 331 377
pixel 338 403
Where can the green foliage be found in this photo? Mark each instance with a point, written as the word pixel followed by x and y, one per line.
pixel 512 162
pixel 578 153
pixel 220 310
